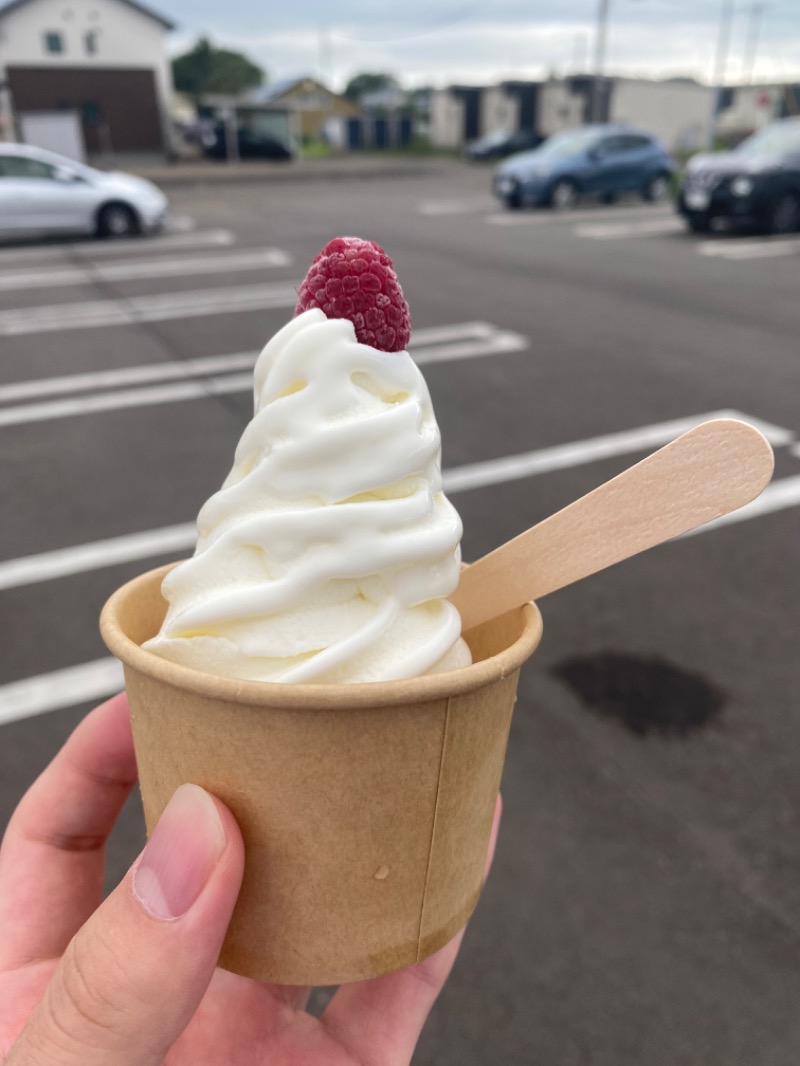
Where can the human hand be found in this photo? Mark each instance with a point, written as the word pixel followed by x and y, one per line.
pixel 133 980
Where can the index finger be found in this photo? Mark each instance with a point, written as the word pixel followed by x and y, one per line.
pixel 52 857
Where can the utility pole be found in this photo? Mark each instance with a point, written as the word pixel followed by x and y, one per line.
pixel 720 63
pixel 599 59
pixel 751 48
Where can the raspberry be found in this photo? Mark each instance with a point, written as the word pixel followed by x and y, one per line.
pixel 353 278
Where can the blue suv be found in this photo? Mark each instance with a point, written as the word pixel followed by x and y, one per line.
pixel 598 160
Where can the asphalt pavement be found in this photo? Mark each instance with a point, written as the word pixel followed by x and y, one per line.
pixel 644 906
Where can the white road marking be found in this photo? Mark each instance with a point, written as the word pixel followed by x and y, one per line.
pixel 180 224
pixel 479 339
pixel 94 314
pixel 46 566
pixel 457 206
pixel 90 249
pixel 103 677
pixel 771 248
pixel 562 456
pixel 213 364
pixel 59 689
pixel 255 259
pixel 609 231
pixel 543 216
pixel 783 493
pixel 127 375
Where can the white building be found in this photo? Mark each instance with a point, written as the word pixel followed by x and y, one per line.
pixel 678 111
pixel 104 61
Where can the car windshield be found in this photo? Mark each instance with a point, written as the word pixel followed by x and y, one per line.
pixel 780 139
pixel 572 143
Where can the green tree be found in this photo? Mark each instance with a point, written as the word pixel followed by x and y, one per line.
pixel 366 82
pixel 206 69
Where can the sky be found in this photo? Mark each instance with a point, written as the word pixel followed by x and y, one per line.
pixel 440 42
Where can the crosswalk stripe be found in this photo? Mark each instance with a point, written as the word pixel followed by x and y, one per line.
pixel 151 268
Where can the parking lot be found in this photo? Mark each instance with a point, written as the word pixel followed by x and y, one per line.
pixel 645 901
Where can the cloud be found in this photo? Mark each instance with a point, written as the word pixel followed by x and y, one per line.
pixel 482 52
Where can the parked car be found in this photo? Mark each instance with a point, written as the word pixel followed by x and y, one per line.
pixel 596 160
pixel 755 186
pixel 41 192
pixel 502 143
pixel 251 145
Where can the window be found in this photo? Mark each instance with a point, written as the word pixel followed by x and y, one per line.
pixel 54 42
pixel 635 143
pixel 90 41
pixel 17 166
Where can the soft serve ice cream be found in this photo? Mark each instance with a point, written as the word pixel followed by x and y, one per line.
pixel 329 551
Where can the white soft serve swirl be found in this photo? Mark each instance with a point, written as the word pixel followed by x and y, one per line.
pixel 330 548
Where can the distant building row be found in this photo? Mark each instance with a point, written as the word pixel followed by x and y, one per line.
pixel 679 112
pixel 93 78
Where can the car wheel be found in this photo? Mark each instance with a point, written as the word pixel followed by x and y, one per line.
pixel 657 189
pixel 117 220
pixel 784 216
pixel 699 225
pixel 513 199
pixel 563 195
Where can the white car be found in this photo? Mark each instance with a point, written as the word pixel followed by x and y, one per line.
pixel 41 192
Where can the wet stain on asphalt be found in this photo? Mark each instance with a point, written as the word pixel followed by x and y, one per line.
pixel 648 696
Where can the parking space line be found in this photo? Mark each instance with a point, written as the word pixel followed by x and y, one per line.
pixel 544 216
pixel 563 456
pixel 474 205
pixel 255 259
pixel 737 250
pixel 65 562
pixel 59 689
pixel 213 364
pixel 781 494
pixel 91 249
pixel 606 231
pixel 103 677
pixel 478 341
pixel 129 311
pixel 126 376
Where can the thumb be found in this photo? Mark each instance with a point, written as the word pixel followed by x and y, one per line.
pixel 133 976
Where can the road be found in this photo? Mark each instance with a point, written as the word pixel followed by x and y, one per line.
pixel 644 906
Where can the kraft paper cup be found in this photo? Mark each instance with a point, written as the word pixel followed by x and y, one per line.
pixel 365 809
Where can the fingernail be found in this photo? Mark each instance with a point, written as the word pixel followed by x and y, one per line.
pixel 180 855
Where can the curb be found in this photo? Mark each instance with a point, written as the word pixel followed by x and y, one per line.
pixel 189 174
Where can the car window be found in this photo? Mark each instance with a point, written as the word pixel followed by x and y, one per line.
pixel 635 143
pixel 609 145
pixel 621 142
pixel 774 141
pixel 18 166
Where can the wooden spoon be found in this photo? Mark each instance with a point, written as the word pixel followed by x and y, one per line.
pixel 711 470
